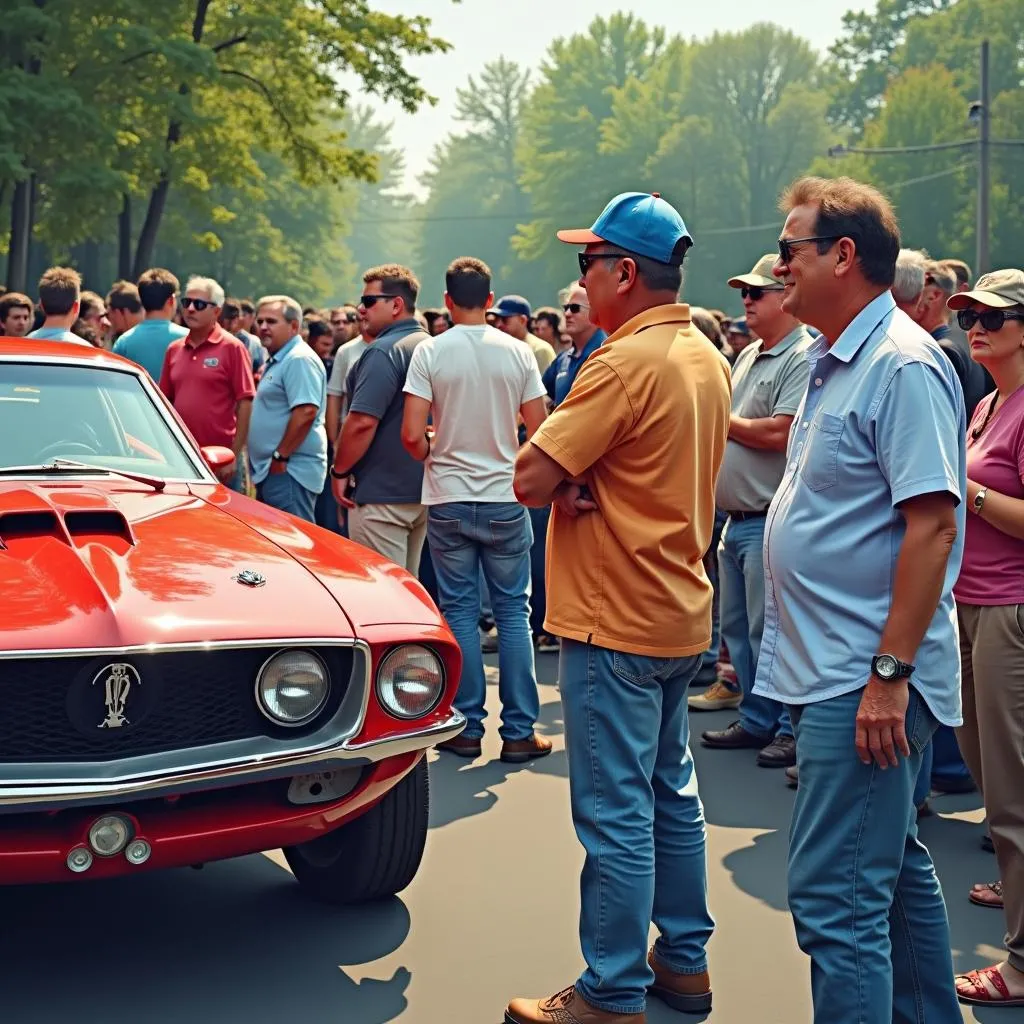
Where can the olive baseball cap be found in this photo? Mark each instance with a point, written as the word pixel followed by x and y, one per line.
pixel 999 289
pixel 760 276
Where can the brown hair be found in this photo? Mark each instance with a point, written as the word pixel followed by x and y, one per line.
pixel 851 209
pixel 468 282
pixel 124 295
pixel 91 303
pixel 59 289
pixel 395 278
pixel 961 269
pixel 156 286
pixel 10 301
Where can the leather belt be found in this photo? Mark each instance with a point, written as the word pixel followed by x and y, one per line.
pixel 740 516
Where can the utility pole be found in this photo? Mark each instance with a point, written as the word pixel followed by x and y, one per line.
pixel 984 173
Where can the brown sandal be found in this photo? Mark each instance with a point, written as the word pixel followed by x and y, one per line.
pixel 980 994
pixel 996 888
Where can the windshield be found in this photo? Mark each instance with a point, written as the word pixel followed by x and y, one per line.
pixel 103 417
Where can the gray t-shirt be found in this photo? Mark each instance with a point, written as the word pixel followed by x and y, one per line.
pixel 764 384
pixel 387 474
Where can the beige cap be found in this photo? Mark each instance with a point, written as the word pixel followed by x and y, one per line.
pixel 760 276
pixel 1000 289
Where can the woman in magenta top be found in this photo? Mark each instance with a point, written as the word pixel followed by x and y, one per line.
pixel 990 605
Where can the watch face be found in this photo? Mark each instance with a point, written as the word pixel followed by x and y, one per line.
pixel 886 667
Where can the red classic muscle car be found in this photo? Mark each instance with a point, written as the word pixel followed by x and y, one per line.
pixel 186 674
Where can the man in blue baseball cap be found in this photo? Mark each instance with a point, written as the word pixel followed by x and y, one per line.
pixel 513 317
pixel 629 460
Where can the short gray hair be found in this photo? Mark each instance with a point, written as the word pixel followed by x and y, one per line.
pixel 213 291
pixel 292 310
pixel 911 267
pixel 943 276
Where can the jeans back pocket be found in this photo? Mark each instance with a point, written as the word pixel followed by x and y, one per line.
pixel 820 468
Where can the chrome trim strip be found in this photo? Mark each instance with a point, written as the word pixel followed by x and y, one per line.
pixel 188 645
pixel 31 798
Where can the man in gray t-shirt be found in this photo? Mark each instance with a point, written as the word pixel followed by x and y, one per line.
pixel 384 483
pixel 769 379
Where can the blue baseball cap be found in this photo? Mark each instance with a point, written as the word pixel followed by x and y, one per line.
pixel 640 222
pixel 511 305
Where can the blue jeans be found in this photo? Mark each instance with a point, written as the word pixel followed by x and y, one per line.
pixel 539 518
pixel 464 537
pixel 282 491
pixel 638 817
pixel 741 577
pixel 865 899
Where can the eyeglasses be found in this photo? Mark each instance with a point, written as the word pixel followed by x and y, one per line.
pixel 587 259
pixel 574 307
pixel 755 293
pixel 786 245
pixel 197 304
pixel 990 319
pixel 368 301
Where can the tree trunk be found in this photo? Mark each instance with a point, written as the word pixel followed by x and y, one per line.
pixel 21 230
pixel 124 239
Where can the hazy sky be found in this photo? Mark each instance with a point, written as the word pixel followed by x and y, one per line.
pixel 483 30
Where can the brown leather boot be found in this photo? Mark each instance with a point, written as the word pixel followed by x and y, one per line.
pixel 565 1007
pixel 688 993
pixel 464 746
pixel 520 751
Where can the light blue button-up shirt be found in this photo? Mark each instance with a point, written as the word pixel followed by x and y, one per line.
pixel 294 376
pixel 883 420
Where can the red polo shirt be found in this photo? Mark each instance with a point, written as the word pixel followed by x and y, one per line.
pixel 205 383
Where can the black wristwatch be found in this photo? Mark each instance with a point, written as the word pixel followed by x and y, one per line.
pixel 890 669
pixel 335 475
pixel 278 457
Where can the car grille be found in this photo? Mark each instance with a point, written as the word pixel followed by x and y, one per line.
pixel 51 709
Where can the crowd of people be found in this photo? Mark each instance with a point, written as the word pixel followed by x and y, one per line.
pixel 815 510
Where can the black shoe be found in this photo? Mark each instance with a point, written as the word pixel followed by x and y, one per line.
pixel 735 737
pixel 953 784
pixel 780 753
pixel 987 845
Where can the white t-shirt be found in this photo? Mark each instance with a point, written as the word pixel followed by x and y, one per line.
pixel 344 359
pixel 476 380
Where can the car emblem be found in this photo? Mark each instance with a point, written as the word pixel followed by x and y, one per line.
pixel 118 682
pixel 250 578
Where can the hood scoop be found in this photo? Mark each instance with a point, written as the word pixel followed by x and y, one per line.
pixel 28 526
pixel 99 525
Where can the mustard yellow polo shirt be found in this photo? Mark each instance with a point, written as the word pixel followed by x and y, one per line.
pixel 645 424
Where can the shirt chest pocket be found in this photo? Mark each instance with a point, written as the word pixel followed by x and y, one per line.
pixel 820 466
pixel 757 403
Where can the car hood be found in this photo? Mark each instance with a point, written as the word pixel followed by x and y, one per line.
pixel 90 565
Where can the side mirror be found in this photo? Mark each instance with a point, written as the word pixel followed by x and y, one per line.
pixel 220 459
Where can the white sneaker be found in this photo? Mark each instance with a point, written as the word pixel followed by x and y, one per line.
pixel 717 697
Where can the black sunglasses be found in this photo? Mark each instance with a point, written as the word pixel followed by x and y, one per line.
pixel 573 307
pixel 197 304
pixel 587 259
pixel 990 319
pixel 786 245
pixel 367 301
pixel 755 293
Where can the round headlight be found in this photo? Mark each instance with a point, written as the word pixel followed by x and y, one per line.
pixel 410 682
pixel 292 687
pixel 109 835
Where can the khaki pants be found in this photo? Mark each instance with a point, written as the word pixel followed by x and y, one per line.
pixel 395 531
pixel 992 742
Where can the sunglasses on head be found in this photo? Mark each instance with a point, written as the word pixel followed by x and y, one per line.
pixel 990 319
pixel 787 245
pixel 574 307
pixel 756 293
pixel 367 301
pixel 197 304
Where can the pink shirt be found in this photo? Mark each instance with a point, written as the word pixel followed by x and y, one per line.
pixel 993 566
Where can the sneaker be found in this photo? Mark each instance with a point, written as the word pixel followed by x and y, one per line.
pixel 565 1007
pixel 717 697
pixel 521 751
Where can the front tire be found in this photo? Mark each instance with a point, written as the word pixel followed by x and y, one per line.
pixel 374 856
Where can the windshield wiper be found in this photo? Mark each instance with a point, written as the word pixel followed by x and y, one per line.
pixel 71 466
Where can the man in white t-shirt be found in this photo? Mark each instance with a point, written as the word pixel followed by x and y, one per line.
pixel 476 381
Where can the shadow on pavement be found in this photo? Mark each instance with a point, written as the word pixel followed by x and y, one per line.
pixel 236 942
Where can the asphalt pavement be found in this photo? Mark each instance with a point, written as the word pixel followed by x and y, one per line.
pixel 491 915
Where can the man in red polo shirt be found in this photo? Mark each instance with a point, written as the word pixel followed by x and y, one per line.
pixel 207 375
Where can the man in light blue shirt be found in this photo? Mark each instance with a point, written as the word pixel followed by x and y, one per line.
pixel 147 343
pixel 60 292
pixel 287 439
pixel 862 546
